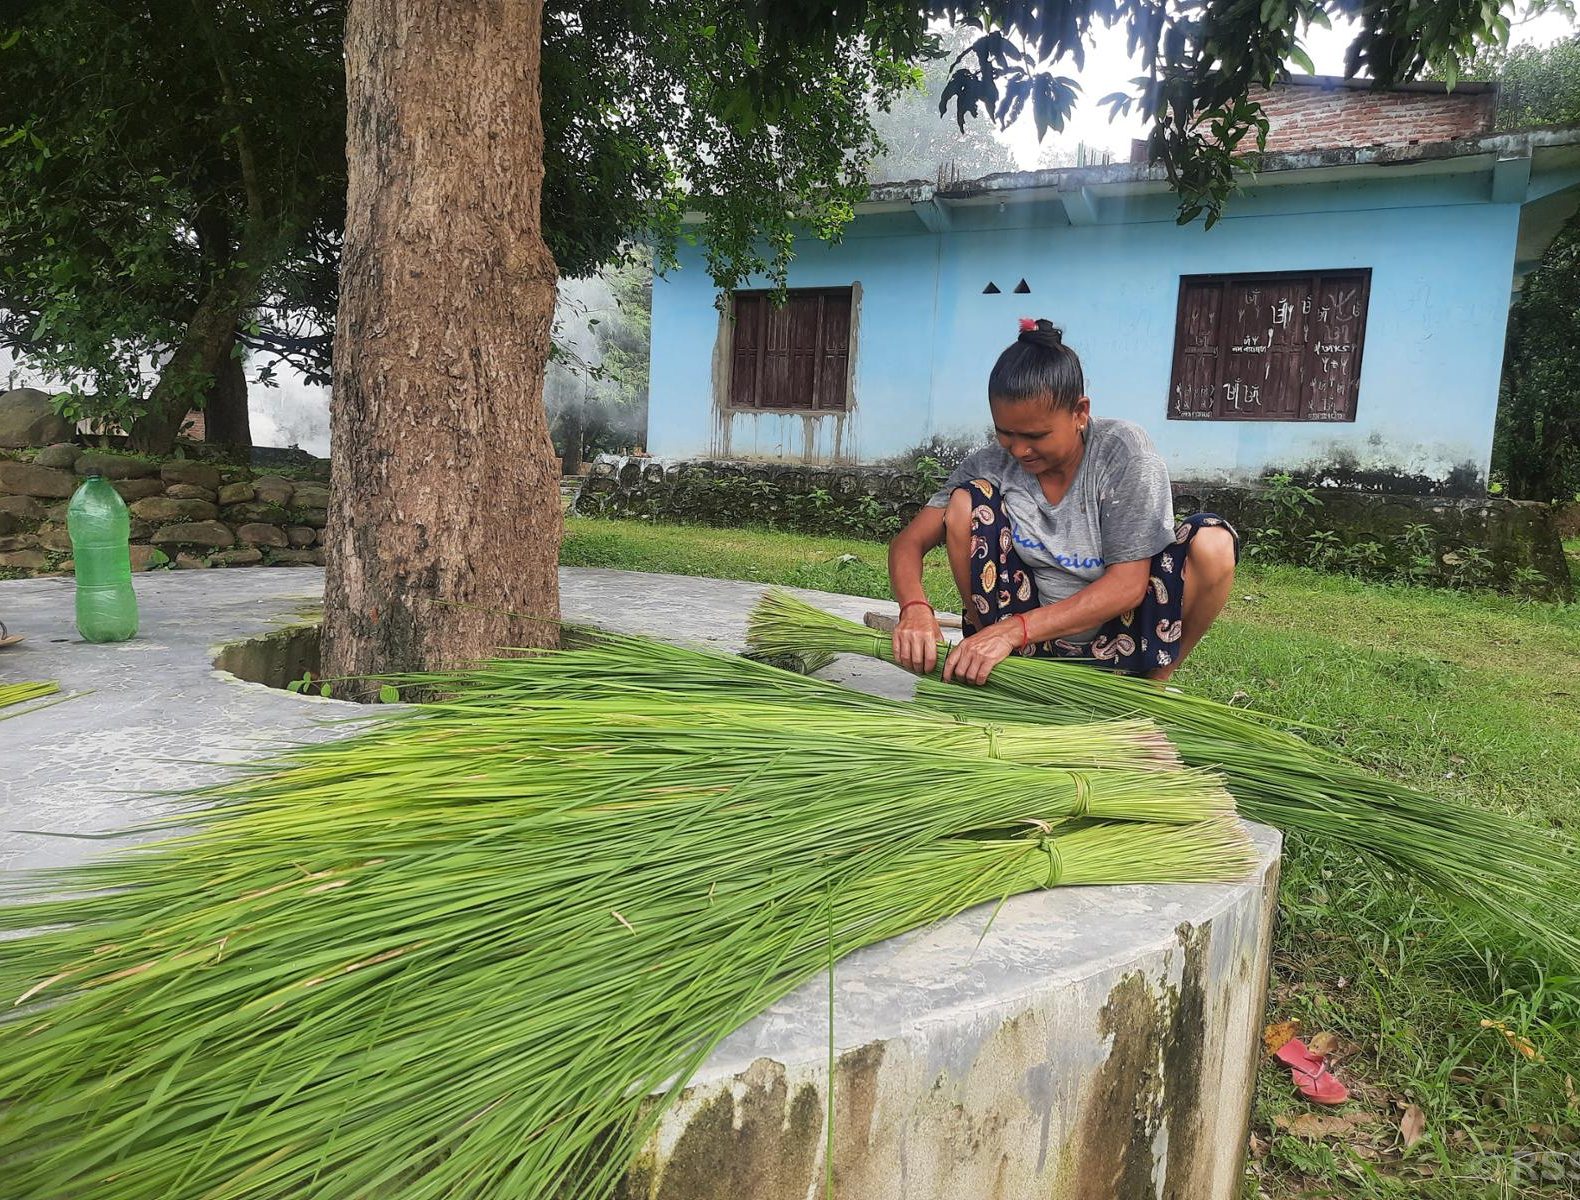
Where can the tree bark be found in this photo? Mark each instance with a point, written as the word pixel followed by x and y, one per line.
pixel 226 421
pixel 444 522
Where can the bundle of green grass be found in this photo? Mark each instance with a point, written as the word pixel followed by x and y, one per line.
pixel 1506 883
pixel 476 949
pixel 29 690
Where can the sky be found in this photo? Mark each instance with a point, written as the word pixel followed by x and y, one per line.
pixel 296 413
pixel 1108 69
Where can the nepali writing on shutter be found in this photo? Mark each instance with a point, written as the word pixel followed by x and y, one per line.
pixel 1269 347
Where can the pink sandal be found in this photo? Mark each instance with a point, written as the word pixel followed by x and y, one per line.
pixel 1312 1078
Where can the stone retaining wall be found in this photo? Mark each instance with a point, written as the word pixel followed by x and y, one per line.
pixel 1511 545
pixel 186 513
pixel 873 502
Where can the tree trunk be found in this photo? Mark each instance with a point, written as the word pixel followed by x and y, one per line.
pixel 195 364
pixel 225 418
pixel 571 434
pixel 444 522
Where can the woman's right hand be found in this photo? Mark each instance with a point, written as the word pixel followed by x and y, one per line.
pixel 916 640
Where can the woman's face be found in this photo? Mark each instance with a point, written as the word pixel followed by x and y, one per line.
pixel 1041 438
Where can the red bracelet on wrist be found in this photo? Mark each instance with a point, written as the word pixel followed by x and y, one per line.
pixel 1025 631
pixel 923 603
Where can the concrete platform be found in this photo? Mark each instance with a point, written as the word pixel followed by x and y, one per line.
pixel 152 714
pixel 1097 1042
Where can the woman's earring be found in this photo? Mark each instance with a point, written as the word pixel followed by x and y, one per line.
pixel 1083 435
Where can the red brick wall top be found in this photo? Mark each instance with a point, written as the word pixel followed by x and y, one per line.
pixel 1323 116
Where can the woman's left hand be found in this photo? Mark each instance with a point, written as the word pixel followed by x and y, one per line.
pixel 973 660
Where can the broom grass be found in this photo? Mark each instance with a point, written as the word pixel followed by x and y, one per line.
pixel 651 678
pixel 21 693
pixel 477 948
pixel 1509 881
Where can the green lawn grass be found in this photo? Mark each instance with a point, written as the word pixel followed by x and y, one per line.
pixel 1473 695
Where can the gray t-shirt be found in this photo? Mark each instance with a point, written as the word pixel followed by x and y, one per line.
pixel 1118 509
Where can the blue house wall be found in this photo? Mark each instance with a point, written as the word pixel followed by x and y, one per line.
pixel 1441 253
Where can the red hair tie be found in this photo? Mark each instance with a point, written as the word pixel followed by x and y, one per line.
pixel 1027 324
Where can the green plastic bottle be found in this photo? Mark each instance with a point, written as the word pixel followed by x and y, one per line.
pixel 100 529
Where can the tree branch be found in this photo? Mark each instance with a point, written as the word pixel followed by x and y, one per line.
pixel 250 179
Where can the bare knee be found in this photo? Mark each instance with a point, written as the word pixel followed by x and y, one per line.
pixel 957 513
pixel 1211 555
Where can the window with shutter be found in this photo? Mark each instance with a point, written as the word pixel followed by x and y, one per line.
pixel 794 358
pixel 1269 347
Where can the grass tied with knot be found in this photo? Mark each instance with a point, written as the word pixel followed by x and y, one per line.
pixel 477 947
pixel 21 693
pixel 1507 882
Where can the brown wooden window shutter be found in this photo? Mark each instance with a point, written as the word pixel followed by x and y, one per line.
pixel 1269 347
pixel 791 359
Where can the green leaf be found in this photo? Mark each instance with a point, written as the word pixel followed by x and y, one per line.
pixel 1301 59
pixel 389 694
pixel 1042 111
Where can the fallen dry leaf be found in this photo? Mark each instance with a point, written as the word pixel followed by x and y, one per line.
pixel 1315 1125
pixel 1569 1091
pixel 1412 1126
pixel 1556 1134
pixel 1345 1049
pixel 1323 1044
pixel 1519 1043
pixel 1258 1147
pixel 1274 1036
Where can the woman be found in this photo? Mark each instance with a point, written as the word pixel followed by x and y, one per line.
pixel 1061 538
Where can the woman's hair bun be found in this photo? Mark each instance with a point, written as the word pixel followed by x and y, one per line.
pixel 1041 332
pixel 1038 366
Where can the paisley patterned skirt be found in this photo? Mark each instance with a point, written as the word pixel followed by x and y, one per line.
pixel 1132 643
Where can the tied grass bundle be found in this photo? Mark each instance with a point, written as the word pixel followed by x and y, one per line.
pixel 21 693
pixel 664 686
pixel 1498 872
pixel 457 953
